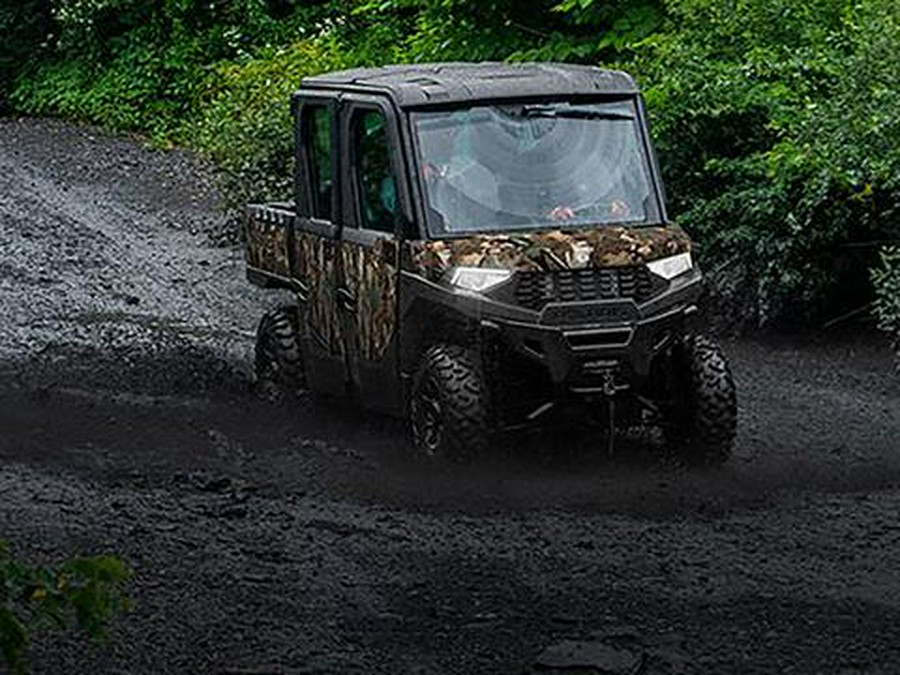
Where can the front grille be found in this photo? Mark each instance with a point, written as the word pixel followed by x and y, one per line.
pixel 534 290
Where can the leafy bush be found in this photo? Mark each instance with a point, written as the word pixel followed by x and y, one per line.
pixel 245 119
pixel 778 127
pixel 130 94
pixel 132 65
pixel 82 592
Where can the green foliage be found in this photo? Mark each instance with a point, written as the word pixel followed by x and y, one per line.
pixel 433 30
pixel 82 592
pixel 140 90
pixel 245 123
pixel 133 65
pixel 778 130
pixel 583 31
pixel 589 31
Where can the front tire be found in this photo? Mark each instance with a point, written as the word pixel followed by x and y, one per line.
pixel 448 410
pixel 702 420
pixel 279 367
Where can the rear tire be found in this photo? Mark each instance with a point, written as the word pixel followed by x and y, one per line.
pixel 702 421
pixel 279 367
pixel 448 410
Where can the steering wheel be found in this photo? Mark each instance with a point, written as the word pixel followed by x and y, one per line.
pixel 432 171
pixel 616 207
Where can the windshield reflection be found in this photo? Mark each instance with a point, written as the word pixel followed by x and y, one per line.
pixel 501 167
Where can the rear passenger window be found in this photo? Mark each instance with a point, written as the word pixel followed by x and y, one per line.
pixel 317 131
pixel 376 185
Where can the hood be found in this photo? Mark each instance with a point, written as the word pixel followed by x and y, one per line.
pixel 603 246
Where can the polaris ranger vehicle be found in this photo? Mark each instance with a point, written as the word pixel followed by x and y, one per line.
pixel 479 247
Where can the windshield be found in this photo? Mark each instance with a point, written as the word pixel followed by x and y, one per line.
pixel 538 166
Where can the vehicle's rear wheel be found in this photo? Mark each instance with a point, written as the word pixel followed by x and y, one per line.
pixel 279 367
pixel 701 421
pixel 448 409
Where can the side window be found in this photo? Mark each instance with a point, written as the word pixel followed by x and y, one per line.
pixel 375 182
pixel 317 138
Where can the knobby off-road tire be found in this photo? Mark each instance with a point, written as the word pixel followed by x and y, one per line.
pixel 448 410
pixel 279 367
pixel 703 422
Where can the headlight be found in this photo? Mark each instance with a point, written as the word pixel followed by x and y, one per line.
pixel 478 279
pixel 671 267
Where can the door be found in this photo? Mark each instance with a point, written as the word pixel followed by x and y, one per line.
pixel 373 198
pixel 315 261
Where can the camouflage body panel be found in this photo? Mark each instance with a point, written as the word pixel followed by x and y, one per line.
pixel 370 273
pixel 315 258
pixel 266 233
pixel 604 246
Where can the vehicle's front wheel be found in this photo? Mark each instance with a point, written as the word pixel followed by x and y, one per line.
pixel 279 367
pixel 701 420
pixel 448 409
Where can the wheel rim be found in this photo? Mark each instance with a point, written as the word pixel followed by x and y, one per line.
pixel 427 418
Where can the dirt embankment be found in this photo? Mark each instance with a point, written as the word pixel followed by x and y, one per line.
pixel 302 539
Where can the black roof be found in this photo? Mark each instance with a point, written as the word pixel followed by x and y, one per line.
pixel 436 83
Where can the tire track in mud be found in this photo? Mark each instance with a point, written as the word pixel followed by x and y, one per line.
pixel 92 267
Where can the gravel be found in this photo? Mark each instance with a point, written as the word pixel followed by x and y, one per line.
pixel 304 539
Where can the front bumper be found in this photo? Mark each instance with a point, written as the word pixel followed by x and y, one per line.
pixel 599 347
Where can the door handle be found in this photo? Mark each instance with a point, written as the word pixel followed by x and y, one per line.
pixel 346 299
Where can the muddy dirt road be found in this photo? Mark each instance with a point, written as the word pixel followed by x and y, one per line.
pixel 303 540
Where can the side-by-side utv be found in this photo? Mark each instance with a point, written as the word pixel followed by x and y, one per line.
pixel 478 247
